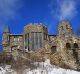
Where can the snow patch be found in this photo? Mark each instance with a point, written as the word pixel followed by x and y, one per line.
pixel 47 68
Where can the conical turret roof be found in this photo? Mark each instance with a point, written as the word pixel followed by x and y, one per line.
pixel 7 29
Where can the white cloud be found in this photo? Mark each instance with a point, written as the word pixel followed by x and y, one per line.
pixel 64 9
pixel 67 9
pixel 8 10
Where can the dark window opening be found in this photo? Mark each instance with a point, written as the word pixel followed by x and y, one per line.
pixel 32 40
pixel 68 45
pixel 15 36
pixel 36 40
pixel 27 41
pixel 45 36
pixel 53 49
pixel 40 40
pixel 76 45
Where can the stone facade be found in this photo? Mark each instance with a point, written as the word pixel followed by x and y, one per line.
pixel 36 37
pixel 33 38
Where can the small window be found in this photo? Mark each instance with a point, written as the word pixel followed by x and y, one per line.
pixel 68 45
pixel 76 45
pixel 16 39
pixel 53 49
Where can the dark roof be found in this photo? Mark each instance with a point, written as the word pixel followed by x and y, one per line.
pixel 52 35
pixel 16 35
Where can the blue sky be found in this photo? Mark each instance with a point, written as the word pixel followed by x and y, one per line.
pixel 18 13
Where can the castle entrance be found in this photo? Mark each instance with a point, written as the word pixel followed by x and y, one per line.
pixel 53 49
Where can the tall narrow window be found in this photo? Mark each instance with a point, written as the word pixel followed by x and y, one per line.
pixel 32 38
pixel 36 40
pixel 40 40
pixel 27 41
pixel 45 36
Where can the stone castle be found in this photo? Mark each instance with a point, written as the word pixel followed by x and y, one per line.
pixel 35 37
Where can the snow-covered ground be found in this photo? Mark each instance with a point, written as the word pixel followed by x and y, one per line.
pixel 41 68
pixel 47 68
pixel 7 70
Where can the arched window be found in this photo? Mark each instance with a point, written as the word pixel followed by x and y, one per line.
pixel 76 45
pixel 68 45
pixel 53 49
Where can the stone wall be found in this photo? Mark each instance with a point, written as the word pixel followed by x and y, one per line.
pixel 17 40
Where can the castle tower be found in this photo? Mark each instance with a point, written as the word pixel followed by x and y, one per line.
pixel 65 28
pixel 65 34
pixel 5 38
pixel 35 36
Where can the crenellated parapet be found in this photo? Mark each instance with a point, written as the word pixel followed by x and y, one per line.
pixel 35 28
